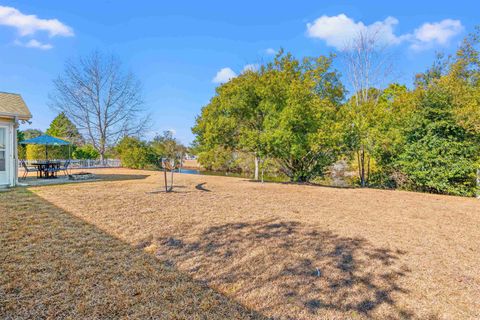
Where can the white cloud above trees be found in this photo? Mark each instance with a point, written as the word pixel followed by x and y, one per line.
pixel 340 30
pixel 224 75
pixel 429 34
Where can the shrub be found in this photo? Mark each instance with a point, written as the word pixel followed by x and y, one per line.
pixel 86 151
pixel 440 156
pixel 136 154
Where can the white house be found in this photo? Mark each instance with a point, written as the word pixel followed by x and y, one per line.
pixel 12 110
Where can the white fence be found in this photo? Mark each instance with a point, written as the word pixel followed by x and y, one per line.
pixel 84 164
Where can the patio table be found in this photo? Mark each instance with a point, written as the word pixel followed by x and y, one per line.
pixel 47 169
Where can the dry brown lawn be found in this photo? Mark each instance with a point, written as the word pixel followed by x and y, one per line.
pixel 229 248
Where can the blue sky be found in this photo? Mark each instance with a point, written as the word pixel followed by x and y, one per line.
pixel 180 50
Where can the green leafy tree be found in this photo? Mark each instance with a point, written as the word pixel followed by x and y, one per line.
pixel 285 111
pixel 166 146
pixel 61 127
pixel 437 70
pixel 22 152
pixel 368 67
pixel 463 81
pixel 218 158
pixel 87 151
pixel 375 131
pixel 20 135
pixel 234 120
pixel 31 133
pixel 135 153
pixel 302 133
pixel 440 156
pixel 362 121
pixel 32 152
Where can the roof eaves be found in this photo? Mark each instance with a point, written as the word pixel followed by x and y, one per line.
pixel 13 115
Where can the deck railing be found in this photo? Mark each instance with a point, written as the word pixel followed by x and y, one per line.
pixel 84 163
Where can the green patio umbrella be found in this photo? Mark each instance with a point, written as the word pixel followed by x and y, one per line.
pixel 46 140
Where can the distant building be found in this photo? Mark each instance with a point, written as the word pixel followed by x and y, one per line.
pixel 12 110
pixel 190 157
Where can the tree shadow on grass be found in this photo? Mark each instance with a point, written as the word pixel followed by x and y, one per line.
pixel 304 272
pixel 62 180
pixel 201 187
pixel 55 265
pixel 120 177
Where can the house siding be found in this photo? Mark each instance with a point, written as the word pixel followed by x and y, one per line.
pixel 11 153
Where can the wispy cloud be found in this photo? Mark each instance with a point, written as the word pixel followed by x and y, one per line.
pixel 29 24
pixel 250 67
pixel 339 31
pixel 34 44
pixel 270 51
pixel 224 75
pixel 429 34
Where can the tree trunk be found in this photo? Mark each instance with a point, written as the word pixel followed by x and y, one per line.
pixel 362 167
pixel 165 176
pixel 367 178
pixel 102 150
pixel 359 165
pixel 102 158
pixel 257 160
pixel 478 183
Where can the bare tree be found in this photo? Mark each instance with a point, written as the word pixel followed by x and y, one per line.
pixel 368 63
pixel 103 101
pixel 368 67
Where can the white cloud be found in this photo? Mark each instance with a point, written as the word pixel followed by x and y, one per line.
pixel 339 31
pixel 224 75
pixel 250 67
pixel 270 51
pixel 34 44
pixel 441 33
pixel 30 24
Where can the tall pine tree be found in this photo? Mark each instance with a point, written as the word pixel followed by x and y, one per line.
pixel 61 127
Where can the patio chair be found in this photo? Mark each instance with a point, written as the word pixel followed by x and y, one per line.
pixel 65 167
pixel 27 169
pixel 52 170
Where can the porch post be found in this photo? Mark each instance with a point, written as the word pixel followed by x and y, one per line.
pixel 15 151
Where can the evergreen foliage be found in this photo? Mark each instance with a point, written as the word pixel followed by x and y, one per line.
pixel 294 112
